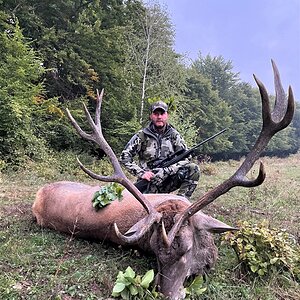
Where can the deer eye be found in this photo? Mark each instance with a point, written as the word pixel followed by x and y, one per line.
pixel 185 223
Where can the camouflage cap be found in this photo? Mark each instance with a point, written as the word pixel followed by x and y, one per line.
pixel 159 104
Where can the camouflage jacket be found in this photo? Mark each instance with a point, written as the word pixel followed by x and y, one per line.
pixel 148 145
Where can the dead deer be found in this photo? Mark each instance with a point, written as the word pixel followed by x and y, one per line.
pixel 170 226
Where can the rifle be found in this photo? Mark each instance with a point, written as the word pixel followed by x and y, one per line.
pixel 143 184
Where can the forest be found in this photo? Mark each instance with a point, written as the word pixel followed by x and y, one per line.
pixel 55 54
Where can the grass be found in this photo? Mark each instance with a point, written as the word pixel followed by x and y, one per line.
pixel 43 264
pixel 276 199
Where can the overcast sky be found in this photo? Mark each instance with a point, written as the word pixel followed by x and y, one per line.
pixel 248 32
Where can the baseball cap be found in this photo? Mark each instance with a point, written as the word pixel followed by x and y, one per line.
pixel 159 104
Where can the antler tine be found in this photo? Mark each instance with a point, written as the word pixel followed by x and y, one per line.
pixel 280 118
pixel 76 126
pixel 280 103
pixel 118 175
pixel 283 111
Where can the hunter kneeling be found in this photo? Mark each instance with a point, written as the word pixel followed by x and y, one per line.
pixel 160 140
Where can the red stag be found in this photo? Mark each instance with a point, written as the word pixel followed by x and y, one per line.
pixel 174 229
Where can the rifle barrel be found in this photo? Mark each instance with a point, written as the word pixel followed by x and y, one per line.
pixel 175 158
pixel 210 138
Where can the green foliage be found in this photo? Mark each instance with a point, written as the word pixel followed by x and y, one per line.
pixel 55 165
pixel 107 194
pixel 209 112
pixel 80 46
pixel 262 250
pixel 241 111
pixel 219 72
pixel 122 132
pixel 20 86
pixel 170 101
pixel 84 46
pixel 185 125
pixel 2 165
pixel 131 286
pixel 196 287
pixel 152 63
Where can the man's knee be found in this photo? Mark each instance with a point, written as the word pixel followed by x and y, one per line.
pixel 192 172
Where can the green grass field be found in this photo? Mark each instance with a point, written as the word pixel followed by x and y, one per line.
pixel 39 263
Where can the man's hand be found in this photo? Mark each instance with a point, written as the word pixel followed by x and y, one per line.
pixel 159 175
pixel 148 175
pixel 156 176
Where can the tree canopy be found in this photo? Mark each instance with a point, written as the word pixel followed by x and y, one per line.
pixel 56 54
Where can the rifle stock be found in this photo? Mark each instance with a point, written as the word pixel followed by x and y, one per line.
pixel 142 185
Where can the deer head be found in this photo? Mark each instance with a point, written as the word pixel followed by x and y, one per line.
pixel 179 235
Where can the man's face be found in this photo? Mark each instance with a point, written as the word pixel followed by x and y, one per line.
pixel 159 118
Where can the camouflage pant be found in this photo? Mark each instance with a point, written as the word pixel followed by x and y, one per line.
pixel 185 180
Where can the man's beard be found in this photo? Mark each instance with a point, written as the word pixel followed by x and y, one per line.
pixel 160 128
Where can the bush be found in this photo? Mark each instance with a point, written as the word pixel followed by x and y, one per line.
pixel 262 250
pixel 59 166
pixel 131 286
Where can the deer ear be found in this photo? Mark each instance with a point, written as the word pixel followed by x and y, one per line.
pixel 138 230
pixel 135 228
pixel 210 224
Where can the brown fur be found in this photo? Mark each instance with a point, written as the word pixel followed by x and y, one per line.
pixel 67 207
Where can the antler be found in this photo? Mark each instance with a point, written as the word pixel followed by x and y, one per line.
pixel 274 121
pixel 118 176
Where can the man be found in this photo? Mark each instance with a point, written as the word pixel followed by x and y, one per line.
pixel 159 140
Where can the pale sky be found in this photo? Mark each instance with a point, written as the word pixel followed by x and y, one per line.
pixel 248 32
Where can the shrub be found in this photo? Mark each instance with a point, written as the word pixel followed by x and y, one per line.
pixel 195 288
pixel 131 286
pixel 262 249
pixel 61 165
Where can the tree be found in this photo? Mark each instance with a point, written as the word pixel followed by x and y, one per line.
pixel 245 108
pixel 296 126
pixel 209 112
pixel 219 72
pixel 83 47
pixel 20 90
pixel 153 65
